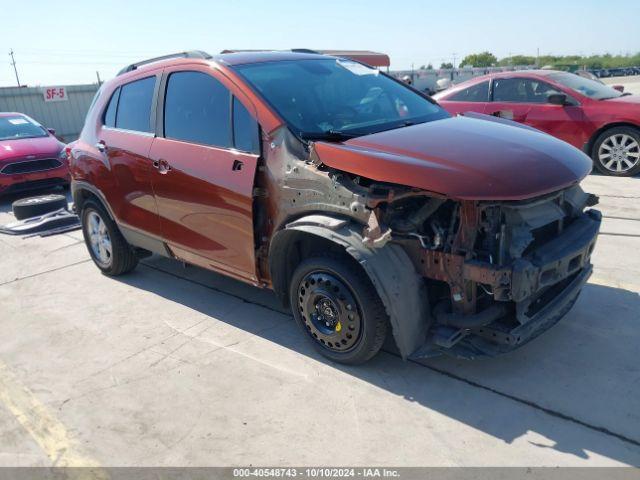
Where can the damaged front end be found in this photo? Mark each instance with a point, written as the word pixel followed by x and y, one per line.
pixel 463 277
pixel 498 273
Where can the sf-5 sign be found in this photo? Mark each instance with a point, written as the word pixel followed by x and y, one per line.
pixel 55 94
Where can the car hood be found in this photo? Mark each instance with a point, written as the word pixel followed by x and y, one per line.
pixel 20 148
pixel 480 158
pixel 630 99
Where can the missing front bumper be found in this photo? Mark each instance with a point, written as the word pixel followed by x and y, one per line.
pixel 541 289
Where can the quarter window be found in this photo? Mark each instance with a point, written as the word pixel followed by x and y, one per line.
pixel 245 129
pixel 110 114
pixel 474 93
pixel 134 105
pixel 197 109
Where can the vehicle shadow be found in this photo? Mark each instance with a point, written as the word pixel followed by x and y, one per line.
pixel 582 372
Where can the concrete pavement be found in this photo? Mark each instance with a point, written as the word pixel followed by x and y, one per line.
pixel 183 367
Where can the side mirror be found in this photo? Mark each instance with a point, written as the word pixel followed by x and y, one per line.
pixel 619 88
pixel 52 131
pixel 557 99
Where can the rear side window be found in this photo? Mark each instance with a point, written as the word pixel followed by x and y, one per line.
pixel 245 129
pixel 134 105
pixel 475 93
pixel 110 113
pixel 197 109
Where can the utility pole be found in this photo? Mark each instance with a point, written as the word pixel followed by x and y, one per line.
pixel 98 75
pixel 538 57
pixel 13 62
pixel 454 60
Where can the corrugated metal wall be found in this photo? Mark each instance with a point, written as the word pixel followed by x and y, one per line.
pixel 67 117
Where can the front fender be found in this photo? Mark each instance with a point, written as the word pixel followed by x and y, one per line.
pixel 390 269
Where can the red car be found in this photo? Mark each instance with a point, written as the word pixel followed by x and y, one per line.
pixel 30 155
pixel 602 121
pixel 357 199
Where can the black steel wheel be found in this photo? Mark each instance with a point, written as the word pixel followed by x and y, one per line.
pixel 338 308
pixel 329 311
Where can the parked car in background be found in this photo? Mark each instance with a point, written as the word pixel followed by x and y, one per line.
pixel 589 115
pixel 30 155
pixel 591 76
pixel 363 204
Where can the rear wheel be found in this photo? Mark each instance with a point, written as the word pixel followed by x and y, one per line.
pixel 617 152
pixel 338 308
pixel 108 249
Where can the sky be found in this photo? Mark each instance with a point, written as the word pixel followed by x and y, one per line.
pixel 65 42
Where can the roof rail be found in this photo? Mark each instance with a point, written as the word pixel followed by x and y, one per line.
pixel 303 50
pixel 188 54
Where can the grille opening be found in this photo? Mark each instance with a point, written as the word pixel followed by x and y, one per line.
pixel 31 166
pixel 548 295
pixel 574 263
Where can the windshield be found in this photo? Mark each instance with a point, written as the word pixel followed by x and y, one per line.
pixel 588 88
pixel 330 98
pixel 16 126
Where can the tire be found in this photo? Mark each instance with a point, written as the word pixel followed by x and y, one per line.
pixel 616 152
pixel 36 206
pixel 337 307
pixel 113 256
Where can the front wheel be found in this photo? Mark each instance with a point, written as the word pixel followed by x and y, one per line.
pixel 338 308
pixel 108 249
pixel 617 152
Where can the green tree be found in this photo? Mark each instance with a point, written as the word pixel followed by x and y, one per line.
pixel 517 60
pixel 446 65
pixel 483 59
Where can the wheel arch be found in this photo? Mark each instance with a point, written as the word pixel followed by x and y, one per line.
pixel 591 143
pixel 82 191
pixel 401 289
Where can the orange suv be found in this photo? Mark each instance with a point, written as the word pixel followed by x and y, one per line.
pixel 364 205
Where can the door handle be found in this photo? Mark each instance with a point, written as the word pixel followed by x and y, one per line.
pixel 237 165
pixel 506 114
pixel 101 146
pixel 162 166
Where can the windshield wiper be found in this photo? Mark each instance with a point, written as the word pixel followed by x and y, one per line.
pixel 330 134
pixel 609 98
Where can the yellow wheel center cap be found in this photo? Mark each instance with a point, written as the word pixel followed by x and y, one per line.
pixel 338 327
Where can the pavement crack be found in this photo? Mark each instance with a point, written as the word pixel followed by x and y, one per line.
pixel 633 219
pixel 620 196
pixel 57 269
pixel 612 234
pixel 522 401
pixel 529 403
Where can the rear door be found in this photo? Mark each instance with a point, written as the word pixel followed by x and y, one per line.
pixel 205 169
pixel 525 100
pixel 470 99
pixel 125 140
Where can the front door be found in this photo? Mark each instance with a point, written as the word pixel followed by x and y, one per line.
pixel 525 100
pixel 204 176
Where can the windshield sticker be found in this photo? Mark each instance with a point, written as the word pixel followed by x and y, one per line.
pixel 357 68
pixel 18 121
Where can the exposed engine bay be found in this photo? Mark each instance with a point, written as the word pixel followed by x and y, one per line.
pixel 495 273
